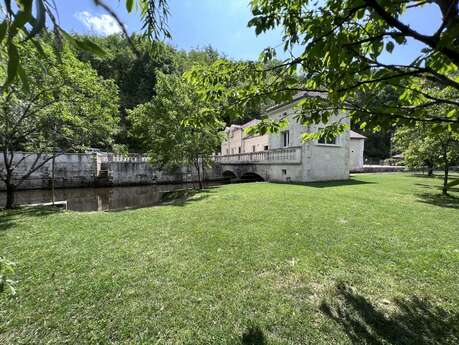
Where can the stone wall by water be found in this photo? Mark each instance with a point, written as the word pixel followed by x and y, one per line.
pixel 94 170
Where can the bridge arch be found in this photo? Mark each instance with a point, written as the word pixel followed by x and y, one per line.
pixel 252 177
pixel 228 174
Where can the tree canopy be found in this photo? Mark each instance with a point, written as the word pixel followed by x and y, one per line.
pixel 64 105
pixel 136 73
pixel 176 127
pixel 338 55
pixel 431 146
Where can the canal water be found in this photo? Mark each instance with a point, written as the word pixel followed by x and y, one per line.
pixel 106 199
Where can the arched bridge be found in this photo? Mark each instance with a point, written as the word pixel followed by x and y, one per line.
pixel 267 165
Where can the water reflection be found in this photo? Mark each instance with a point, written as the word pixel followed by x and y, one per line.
pixel 105 199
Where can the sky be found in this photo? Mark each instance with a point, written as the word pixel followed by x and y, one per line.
pixel 221 24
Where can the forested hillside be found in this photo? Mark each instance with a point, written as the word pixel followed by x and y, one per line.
pixel 135 71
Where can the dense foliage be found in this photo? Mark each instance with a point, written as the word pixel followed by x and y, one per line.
pixel 136 73
pixel 342 47
pixel 64 105
pixel 431 146
pixel 176 127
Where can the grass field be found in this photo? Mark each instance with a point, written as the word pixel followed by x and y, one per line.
pixel 373 260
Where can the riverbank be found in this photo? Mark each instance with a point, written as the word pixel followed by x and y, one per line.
pixel 373 258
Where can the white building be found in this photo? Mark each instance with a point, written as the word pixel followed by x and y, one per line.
pixel 284 157
pixel 357 145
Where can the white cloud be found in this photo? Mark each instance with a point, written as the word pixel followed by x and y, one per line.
pixel 102 25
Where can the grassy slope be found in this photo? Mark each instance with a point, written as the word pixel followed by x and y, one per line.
pixel 376 260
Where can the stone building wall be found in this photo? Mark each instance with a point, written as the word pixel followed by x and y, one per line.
pixel 96 170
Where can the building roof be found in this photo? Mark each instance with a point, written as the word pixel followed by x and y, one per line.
pixel 251 123
pixel 355 135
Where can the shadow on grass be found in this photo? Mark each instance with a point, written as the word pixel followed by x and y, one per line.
pixel 448 201
pixel 184 197
pixel 8 218
pixel 437 187
pixel 180 197
pixel 414 321
pixel 452 175
pixel 342 183
pixel 253 336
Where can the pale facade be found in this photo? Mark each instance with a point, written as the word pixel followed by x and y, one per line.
pixel 284 157
pixel 239 142
pixel 357 146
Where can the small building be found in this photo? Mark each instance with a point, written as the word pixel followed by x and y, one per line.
pixel 284 157
pixel 356 147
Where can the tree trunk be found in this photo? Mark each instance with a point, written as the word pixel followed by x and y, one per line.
pixel 445 179
pixel 10 194
pixel 53 199
pixel 198 168
pixel 199 176
pixel 430 169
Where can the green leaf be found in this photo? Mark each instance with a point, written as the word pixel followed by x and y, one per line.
pixel 25 5
pixel 40 23
pixel 13 63
pixel 451 113
pixel 90 46
pixel 399 39
pixel 21 19
pixel 390 46
pixel 129 5
pixel 3 28
pixel 24 79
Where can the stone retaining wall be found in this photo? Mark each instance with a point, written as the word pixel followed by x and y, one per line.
pixel 96 170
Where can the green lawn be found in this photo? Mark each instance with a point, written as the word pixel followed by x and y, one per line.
pixel 374 260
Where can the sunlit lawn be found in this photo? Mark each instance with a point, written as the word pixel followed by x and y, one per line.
pixel 374 260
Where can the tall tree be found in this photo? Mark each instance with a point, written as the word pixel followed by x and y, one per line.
pixel 64 105
pixel 177 128
pixel 136 74
pixel 429 145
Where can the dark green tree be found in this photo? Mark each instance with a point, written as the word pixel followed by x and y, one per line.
pixel 64 105
pixel 429 145
pixel 177 128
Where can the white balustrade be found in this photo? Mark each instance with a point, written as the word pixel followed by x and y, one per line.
pixel 283 155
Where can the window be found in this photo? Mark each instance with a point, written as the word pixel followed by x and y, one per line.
pixel 266 148
pixel 284 171
pixel 285 138
pixel 239 149
pixel 253 148
pixel 232 151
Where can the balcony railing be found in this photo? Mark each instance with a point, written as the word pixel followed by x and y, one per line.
pixel 287 155
pixel 131 158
